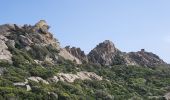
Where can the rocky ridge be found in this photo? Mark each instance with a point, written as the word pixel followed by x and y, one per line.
pixel 40 43
pixel 35 39
pixel 107 54
pixel 143 58
pixel 39 69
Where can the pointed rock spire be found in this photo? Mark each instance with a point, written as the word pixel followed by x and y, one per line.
pixel 104 53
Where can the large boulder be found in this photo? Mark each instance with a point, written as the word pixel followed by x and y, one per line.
pixel 23 84
pixel 38 79
pixel 42 26
pixel 4 52
pixel 25 40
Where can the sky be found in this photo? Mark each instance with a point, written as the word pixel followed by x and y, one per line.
pixel 131 24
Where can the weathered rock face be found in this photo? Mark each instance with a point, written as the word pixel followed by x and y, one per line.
pixel 35 38
pixel 68 56
pixel 105 53
pixel 4 53
pixel 65 77
pixel 78 53
pixel 26 37
pixel 167 96
pixel 5 29
pixel 25 41
pixel 143 58
pixel 41 35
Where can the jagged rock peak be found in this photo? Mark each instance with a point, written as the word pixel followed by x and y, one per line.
pixel 78 53
pixel 107 45
pixel 43 26
pixel 41 23
pixel 105 53
pixel 108 42
pixel 28 37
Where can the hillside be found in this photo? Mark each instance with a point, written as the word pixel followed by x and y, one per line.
pixel 33 66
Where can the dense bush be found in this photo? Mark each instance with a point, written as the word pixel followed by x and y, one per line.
pixel 41 72
pixel 119 82
pixel 39 52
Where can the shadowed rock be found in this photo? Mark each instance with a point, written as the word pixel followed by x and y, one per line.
pixel 78 53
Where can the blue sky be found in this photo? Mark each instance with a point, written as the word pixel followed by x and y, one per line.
pixel 130 24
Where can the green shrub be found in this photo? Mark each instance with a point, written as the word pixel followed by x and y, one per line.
pixel 41 72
